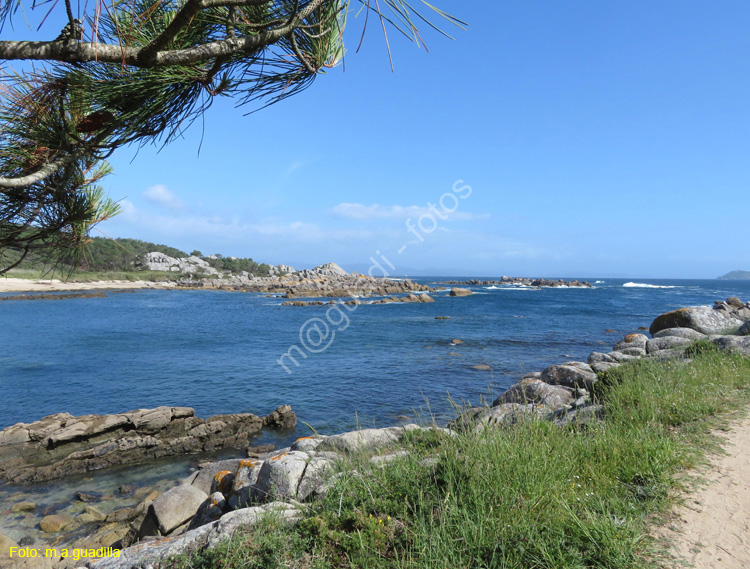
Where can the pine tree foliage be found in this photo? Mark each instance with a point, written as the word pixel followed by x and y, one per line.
pixel 140 72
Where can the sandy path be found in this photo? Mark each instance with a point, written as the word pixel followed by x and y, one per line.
pixel 54 285
pixel 712 529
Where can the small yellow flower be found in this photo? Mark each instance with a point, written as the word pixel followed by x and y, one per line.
pixel 389 518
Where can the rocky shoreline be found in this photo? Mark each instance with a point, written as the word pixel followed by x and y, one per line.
pixel 324 281
pixel 62 445
pixel 225 496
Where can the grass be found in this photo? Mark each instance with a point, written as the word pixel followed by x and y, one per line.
pixel 533 495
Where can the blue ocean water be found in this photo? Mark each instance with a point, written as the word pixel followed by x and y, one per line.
pixel 219 351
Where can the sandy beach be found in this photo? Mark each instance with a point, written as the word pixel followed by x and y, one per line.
pixel 56 285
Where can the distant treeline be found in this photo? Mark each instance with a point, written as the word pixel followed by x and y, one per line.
pixel 236 265
pixel 105 254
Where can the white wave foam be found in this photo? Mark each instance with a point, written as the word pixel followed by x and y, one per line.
pixel 599 282
pixel 511 287
pixel 644 285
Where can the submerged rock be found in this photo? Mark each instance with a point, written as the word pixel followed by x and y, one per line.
pixel 55 522
pixel 23 507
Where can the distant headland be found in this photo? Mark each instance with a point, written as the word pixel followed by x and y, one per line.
pixel 735 276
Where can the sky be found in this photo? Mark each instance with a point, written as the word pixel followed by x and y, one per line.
pixel 577 138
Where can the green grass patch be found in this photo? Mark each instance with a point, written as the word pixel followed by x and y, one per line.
pixel 533 495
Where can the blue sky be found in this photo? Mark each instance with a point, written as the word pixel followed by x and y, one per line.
pixel 599 138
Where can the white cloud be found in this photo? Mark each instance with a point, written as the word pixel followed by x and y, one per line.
pixel 163 196
pixel 363 212
pixel 197 226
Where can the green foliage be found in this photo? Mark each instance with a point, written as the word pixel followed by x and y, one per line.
pixel 104 254
pixel 236 265
pixel 99 254
pixel 531 495
pixel 704 346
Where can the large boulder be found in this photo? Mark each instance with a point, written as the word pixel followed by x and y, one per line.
pixel 368 440
pixel 175 507
pixel 600 357
pixel 631 341
pixel 279 477
pixel 580 416
pixel 539 392
pixel 737 344
pixel 307 444
pixel 245 480
pixel 282 418
pixel 512 413
pixel 622 356
pixel 700 318
pixel 667 343
pixel 209 511
pixel 688 333
pixel 319 470
pixel 571 374
pixel 604 367
pixel 203 479
pixel 457 291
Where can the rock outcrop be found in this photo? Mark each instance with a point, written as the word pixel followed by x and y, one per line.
pixel 165 263
pixel 562 392
pixel 327 270
pixel 722 318
pixel 457 291
pixel 60 445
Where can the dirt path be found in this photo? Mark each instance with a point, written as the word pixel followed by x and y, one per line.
pixel 712 529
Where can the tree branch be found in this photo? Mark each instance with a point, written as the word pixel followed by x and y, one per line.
pixel 139 57
pixel 48 169
pixel 4 270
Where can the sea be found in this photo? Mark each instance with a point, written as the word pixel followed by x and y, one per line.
pixel 340 367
